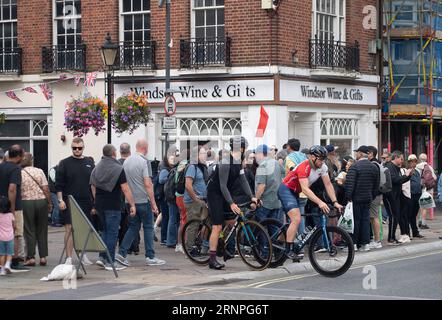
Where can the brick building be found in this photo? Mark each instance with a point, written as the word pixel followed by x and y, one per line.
pixel 305 61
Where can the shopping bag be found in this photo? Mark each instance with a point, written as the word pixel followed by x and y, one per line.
pixel 426 201
pixel 346 221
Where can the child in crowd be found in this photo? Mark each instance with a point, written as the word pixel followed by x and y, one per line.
pixel 7 226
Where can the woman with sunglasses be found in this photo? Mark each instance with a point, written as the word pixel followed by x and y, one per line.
pixel 300 180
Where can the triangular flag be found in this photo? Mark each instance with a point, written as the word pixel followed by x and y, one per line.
pixel 63 77
pixel 46 90
pixel 77 80
pixel 90 79
pixel 12 95
pixel 30 90
pixel 263 119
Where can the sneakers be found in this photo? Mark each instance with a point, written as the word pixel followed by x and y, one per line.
pixel 375 245
pixel 179 248
pixel 364 248
pixel 214 264
pixel 424 226
pixel 3 272
pixel 108 267
pixel 18 267
pixel 320 249
pixel 100 262
pixel 154 262
pixel 404 239
pixel 394 243
pixel 356 247
pixel 86 261
pixel 122 260
pixel 68 261
pixel 419 236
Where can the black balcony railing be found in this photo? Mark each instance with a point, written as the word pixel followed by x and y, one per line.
pixel 197 53
pixel 334 54
pixel 64 57
pixel 136 55
pixel 10 60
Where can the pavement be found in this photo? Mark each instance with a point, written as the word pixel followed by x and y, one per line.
pixel 179 271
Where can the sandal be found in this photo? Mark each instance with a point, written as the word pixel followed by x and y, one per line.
pixel 29 263
pixel 43 262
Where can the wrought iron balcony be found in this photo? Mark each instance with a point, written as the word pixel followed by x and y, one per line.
pixel 334 54
pixel 136 55
pixel 198 53
pixel 64 57
pixel 10 60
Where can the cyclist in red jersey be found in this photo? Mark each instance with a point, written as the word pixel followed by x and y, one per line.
pixel 299 180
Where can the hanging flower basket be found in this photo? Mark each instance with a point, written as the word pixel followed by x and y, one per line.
pixel 129 112
pixel 2 118
pixel 84 113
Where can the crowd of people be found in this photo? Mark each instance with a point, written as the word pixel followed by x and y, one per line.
pixel 121 194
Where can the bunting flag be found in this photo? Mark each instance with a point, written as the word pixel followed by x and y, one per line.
pixel 77 80
pixel 263 120
pixel 63 77
pixel 46 90
pixel 30 90
pixel 91 77
pixel 12 95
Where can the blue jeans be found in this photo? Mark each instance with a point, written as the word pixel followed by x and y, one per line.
pixel 302 203
pixel 144 215
pixel 264 213
pixel 361 215
pixel 164 219
pixel 174 224
pixel 55 215
pixel 111 224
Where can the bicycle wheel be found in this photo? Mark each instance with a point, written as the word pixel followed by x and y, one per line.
pixel 195 240
pixel 254 245
pixel 277 234
pixel 338 258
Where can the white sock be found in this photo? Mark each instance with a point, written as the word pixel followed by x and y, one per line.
pixel 8 264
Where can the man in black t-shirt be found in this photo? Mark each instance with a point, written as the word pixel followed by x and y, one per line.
pixel 108 182
pixel 73 177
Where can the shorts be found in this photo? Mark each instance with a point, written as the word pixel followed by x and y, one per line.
pixel 374 207
pixel 182 209
pixel 85 205
pixel 216 205
pixel 18 223
pixel 289 198
pixel 7 248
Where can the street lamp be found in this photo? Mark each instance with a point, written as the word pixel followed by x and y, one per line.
pixel 108 53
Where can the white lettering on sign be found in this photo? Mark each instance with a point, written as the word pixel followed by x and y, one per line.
pixel 299 91
pixel 207 91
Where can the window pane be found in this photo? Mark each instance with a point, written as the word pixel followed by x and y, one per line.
pixel 199 18
pixel 147 21
pixel 59 9
pixel 14 29
pixel 220 32
pixel 7 30
pixel 14 12
pixel 341 7
pixel 70 39
pixel 199 33
pixel 6 13
pixel 138 22
pixel 128 36
pixel 210 32
pixel 220 16
pixel 15 128
pixel 78 39
pixel 78 26
pixel 137 5
pixel 209 3
pixel 127 22
pixel 60 40
pixel 219 2
pixel 126 5
pixel 5 144
pixel 210 17
pixel 138 35
pixel 77 5
pixel 147 35
pixel 199 3
pixel 146 5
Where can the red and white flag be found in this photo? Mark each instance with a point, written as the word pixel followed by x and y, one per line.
pixel 12 95
pixel 91 77
pixel 63 77
pixel 46 90
pixel 263 120
pixel 30 90
pixel 77 80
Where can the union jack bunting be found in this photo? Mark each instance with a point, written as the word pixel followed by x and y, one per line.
pixel 30 90
pixel 77 80
pixel 46 90
pixel 12 95
pixel 91 77
pixel 63 77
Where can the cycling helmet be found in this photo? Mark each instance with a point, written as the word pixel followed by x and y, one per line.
pixel 319 152
pixel 238 142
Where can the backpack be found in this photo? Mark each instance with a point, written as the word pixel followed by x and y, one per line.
pixel 158 188
pixel 385 184
pixel 169 186
pixel 439 189
pixel 180 180
pixel 427 179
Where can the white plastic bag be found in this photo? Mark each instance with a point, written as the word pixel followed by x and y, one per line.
pixel 426 200
pixel 62 272
pixel 346 221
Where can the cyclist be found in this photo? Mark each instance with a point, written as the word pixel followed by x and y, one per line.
pixel 300 180
pixel 219 197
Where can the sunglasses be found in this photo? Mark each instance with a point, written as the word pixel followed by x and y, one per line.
pixel 77 148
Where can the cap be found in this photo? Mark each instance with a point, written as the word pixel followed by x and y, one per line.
pixel 305 150
pixel 363 149
pixel 412 157
pixel 263 148
pixel 330 148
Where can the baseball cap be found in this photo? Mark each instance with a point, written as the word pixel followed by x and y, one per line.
pixel 363 149
pixel 330 148
pixel 412 157
pixel 263 148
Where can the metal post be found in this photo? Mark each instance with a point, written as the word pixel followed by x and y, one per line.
pixel 109 104
pixel 167 62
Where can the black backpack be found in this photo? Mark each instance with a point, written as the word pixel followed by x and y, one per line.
pixel 158 188
pixel 169 187
pixel 180 184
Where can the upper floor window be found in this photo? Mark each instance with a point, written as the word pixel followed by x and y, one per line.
pixel 329 19
pixel 67 22
pixel 208 19
pixel 8 24
pixel 135 20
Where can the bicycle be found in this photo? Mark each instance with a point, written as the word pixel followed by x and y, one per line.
pixel 327 242
pixel 252 240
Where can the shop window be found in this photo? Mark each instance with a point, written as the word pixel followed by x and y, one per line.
pixel 342 133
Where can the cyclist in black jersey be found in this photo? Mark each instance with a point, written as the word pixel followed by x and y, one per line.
pixel 219 198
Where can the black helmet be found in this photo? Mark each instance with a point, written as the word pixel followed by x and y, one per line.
pixel 238 142
pixel 319 152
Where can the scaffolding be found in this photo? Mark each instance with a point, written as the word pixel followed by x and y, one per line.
pixel 412 41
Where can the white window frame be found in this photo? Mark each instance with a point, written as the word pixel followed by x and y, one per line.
pixel 354 137
pixel 339 28
pixel 55 20
pixel 123 14
pixel 13 23
pixel 193 9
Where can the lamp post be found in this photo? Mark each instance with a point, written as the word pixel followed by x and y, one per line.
pixel 109 52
